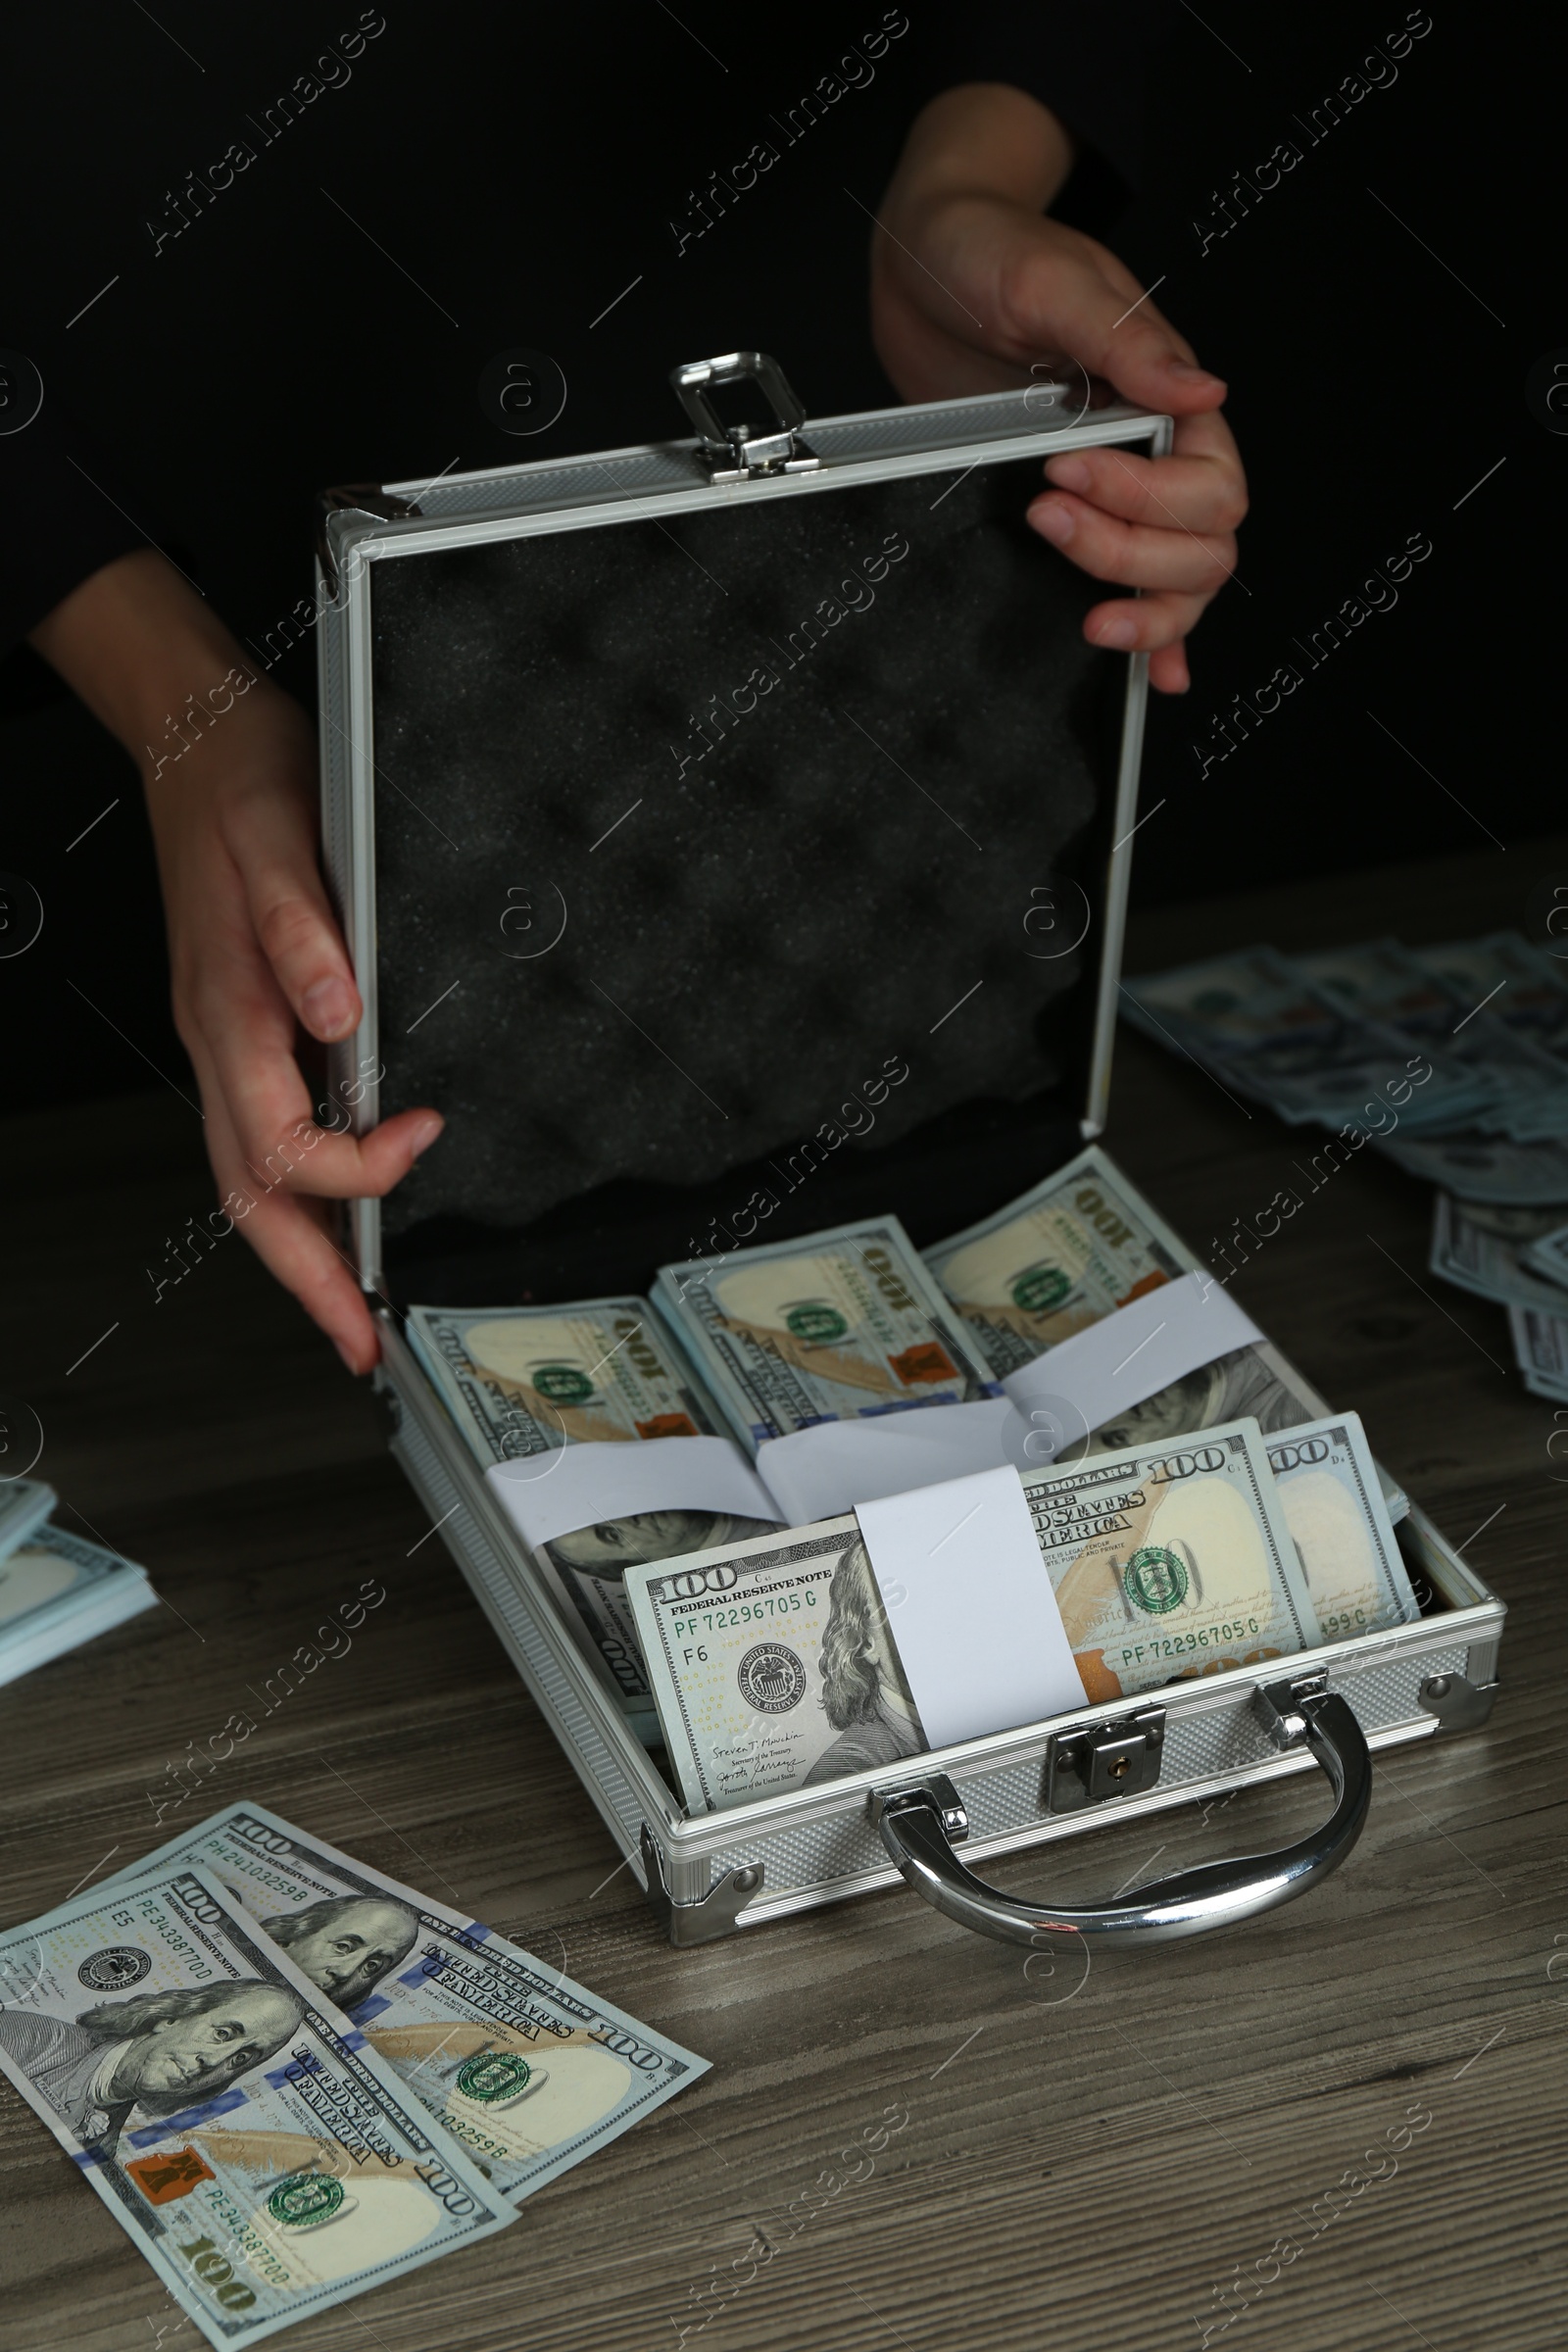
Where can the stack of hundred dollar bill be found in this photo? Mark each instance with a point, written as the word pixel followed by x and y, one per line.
pixel 775 1662
pixel 854 1324
pixel 292 2078
pixel 57 1591
pixel 1453 1059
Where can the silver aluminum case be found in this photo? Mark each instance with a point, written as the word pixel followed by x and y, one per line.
pixel 792 1853
pixel 818 1845
pixel 648 480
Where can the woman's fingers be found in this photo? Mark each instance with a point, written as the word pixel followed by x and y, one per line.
pixel 270 832
pixel 1143 624
pixel 290 1238
pixel 1187 492
pixel 1132 554
pixel 1168 673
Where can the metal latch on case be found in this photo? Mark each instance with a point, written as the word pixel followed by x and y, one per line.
pixel 1100 1761
pixel 741 453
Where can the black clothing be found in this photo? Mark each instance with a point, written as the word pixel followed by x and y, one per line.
pixel 289 249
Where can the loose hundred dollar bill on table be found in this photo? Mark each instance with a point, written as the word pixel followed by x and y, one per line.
pixel 1525 1091
pixel 530 2070
pixel 264 2161
pixel 776 1663
pixel 1550 1256
pixel 1494 1252
pixel 837 1326
pixel 1541 1351
pixel 1267 1030
pixel 519 1381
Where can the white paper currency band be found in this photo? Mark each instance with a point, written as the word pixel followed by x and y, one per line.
pixel 969 1601
pixel 548 1495
pixel 1138 1350
pixel 819 1473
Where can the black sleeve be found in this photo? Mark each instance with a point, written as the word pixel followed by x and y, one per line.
pixel 1093 66
pixel 59 520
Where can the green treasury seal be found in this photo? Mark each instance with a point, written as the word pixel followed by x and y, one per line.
pixel 1155 1580
pixel 496 2078
pixel 1040 1289
pixel 305 2199
pixel 814 1324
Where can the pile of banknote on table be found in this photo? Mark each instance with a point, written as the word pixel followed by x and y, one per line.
pixel 57 1589
pixel 762 1655
pixel 291 2077
pixel 1453 1059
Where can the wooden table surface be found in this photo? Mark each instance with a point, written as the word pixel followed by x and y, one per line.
pixel 1082 2163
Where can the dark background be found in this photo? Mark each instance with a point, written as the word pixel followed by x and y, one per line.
pixel 523 170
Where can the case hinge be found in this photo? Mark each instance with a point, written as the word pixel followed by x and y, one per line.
pixel 1095 1761
pixel 716 1914
pixel 1458 1703
pixel 741 453
pixel 357 498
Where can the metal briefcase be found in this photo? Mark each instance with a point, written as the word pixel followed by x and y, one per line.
pixel 667 792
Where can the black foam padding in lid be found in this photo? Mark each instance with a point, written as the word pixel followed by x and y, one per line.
pixel 687 827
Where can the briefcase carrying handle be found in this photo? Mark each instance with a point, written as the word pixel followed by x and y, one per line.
pixel 918 1820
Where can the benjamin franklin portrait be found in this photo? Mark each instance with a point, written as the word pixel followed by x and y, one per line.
pixel 863 1696
pixel 346 1943
pixel 149 2056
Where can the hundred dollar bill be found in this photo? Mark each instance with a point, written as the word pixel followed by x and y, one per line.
pixel 1079 1245
pixel 1053 1261
pixel 1166 1565
pixel 1341 1528
pixel 1381 981
pixel 834 1327
pixel 1486 1168
pixel 1522 987
pixel 1541 1351
pixel 1082 1244
pixel 264 2163
pixel 520 1381
pixel 1264 1028
pixel 530 2070
pixel 775 1664
pixel 58 1590
pixel 1489 1251
pixel 24 1504
pixel 1549 1255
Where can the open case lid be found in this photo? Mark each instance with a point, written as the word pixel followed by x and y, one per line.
pixel 724 829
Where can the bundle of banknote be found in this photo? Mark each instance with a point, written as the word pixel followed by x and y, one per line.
pixel 1453 1059
pixel 291 2077
pixel 520 1381
pixel 57 1591
pixel 837 1326
pixel 776 1663
pixel 1079 1245
pixel 1503 1253
pixel 1541 1349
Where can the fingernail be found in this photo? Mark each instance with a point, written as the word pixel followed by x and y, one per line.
pixel 1055 521
pixel 1191 374
pixel 347 1358
pixel 425 1132
pixel 1069 473
pixel 1117 635
pixel 328 1009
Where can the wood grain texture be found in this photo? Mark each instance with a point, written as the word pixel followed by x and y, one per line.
pixel 1085 2159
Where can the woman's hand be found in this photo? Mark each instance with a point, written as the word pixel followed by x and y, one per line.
pixel 254 950
pixel 973 286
